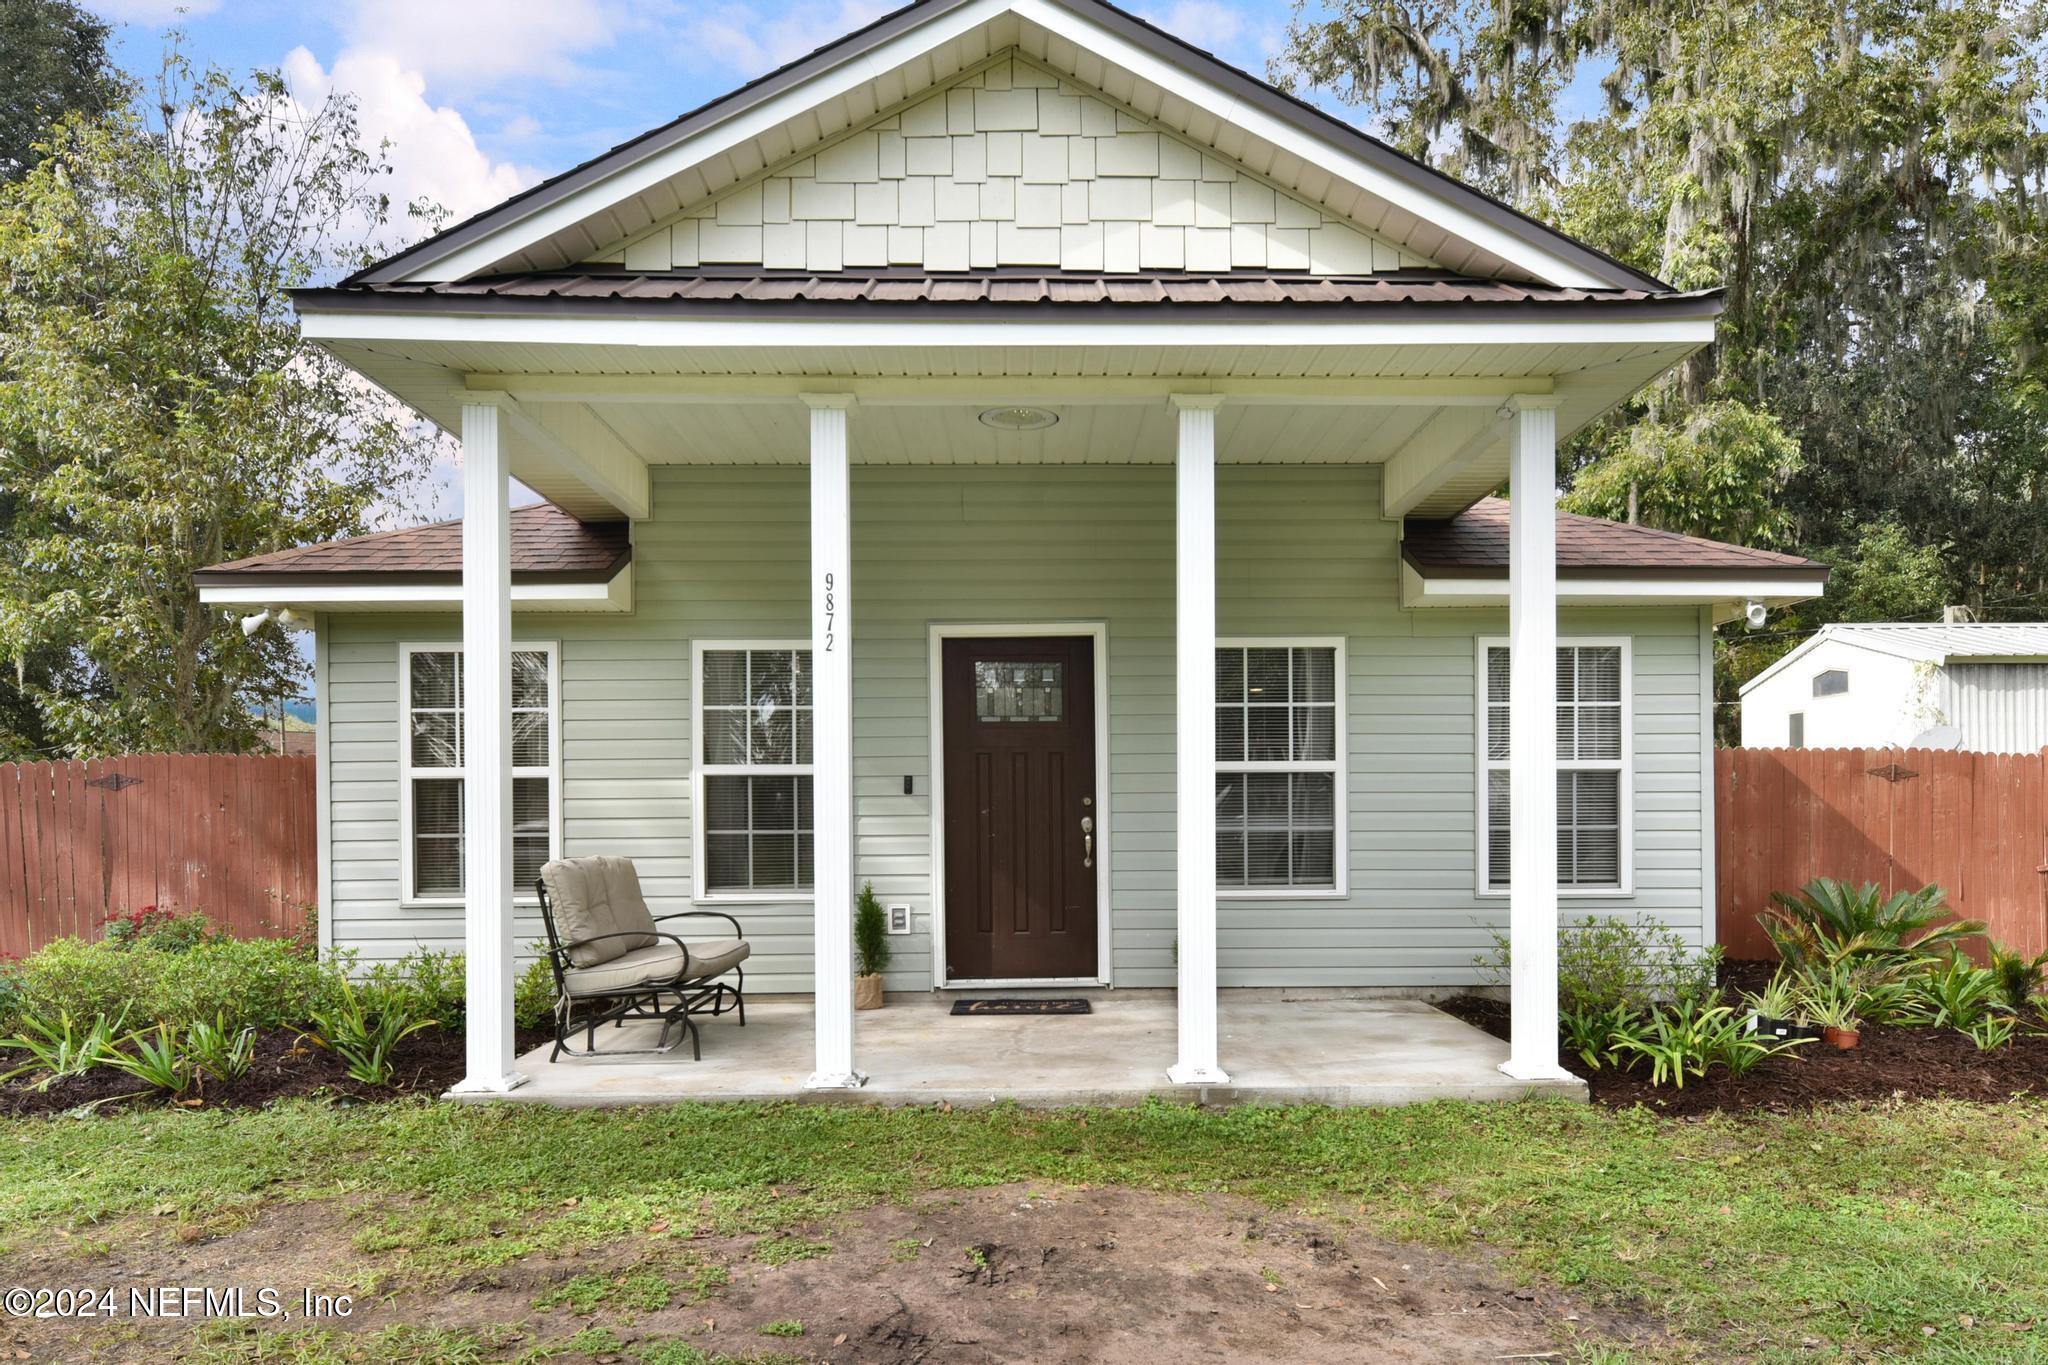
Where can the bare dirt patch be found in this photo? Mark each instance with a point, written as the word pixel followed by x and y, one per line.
pixel 1008 1274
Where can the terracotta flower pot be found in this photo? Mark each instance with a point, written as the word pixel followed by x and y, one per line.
pixel 867 992
pixel 1842 1038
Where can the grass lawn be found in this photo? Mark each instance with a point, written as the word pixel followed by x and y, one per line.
pixel 1916 1229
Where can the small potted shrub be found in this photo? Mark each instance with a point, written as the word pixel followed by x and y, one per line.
pixel 1777 1013
pixel 870 949
pixel 1840 1027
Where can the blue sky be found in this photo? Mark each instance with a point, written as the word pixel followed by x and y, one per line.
pixel 481 98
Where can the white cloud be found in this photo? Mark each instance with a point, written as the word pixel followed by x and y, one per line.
pixel 748 42
pixel 1205 23
pixel 434 155
pixel 155 13
pixel 467 43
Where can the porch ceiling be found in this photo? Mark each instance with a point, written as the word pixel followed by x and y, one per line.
pixel 590 418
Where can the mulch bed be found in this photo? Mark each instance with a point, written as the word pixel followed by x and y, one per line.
pixel 287 1064
pixel 1887 1064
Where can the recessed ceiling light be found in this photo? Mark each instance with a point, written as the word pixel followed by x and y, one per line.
pixel 1019 419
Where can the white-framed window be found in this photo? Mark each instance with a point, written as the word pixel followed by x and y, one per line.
pixel 1832 682
pixel 432 752
pixel 752 785
pixel 1796 730
pixel 1280 791
pixel 1595 759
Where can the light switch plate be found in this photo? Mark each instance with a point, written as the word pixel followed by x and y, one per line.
pixel 899 919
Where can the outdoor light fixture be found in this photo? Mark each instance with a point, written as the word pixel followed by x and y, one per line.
pixel 1019 419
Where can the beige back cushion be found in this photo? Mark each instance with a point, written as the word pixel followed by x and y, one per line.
pixel 593 896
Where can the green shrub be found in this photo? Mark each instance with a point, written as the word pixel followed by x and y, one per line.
pixel 164 930
pixel 1958 994
pixel 161 1060
pixel 260 982
pixel 1827 922
pixel 870 934
pixel 2020 978
pixel 533 994
pixel 1689 1037
pixel 431 982
pixel 1614 962
pixel 364 1028
pixel 1592 1034
pixel 60 1049
pixel 221 1052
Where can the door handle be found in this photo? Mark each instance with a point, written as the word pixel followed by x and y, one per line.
pixel 1087 841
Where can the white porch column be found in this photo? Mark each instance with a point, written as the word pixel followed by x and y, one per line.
pixel 832 742
pixel 487 744
pixel 1194 710
pixel 1532 737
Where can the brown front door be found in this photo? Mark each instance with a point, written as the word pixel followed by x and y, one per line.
pixel 1021 808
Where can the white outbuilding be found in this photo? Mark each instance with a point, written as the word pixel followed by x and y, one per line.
pixel 1974 686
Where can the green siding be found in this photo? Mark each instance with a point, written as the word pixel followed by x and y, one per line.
pixel 1302 550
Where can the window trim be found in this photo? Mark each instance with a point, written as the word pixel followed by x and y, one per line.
pixel 1841 691
pixel 1339 767
pixel 700 866
pixel 407 773
pixel 1626 766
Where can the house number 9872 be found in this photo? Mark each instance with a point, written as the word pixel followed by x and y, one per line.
pixel 831 609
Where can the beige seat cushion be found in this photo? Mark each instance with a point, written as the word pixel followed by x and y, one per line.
pixel 594 896
pixel 659 963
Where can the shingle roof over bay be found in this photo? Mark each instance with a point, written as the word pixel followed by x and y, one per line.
pixel 548 545
pixel 1474 544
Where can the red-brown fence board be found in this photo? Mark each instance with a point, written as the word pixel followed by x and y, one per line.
pixel 230 835
pixel 1975 824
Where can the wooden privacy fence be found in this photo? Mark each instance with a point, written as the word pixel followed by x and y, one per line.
pixel 232 835
pixel 1977 824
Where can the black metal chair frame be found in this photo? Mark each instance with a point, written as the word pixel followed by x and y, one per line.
pixel 685 999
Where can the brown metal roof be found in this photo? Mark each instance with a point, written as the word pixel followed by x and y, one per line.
pixel 1474 544
pixel 756 290
pixel 548 546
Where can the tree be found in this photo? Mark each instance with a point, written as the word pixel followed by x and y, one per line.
pixel 158 409
pixel 1866 179
pixel 1720 474
pixel 56 64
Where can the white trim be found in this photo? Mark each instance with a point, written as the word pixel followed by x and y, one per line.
pixel 1418 590
pixel 1338 767
pixel 832 836
pixel 1197 1055
pixel 616 595
pixel 699 770
pixel 406 772
pixel 994 390
pixel 718 332
pixel 1482 850
pixel 323 792
pixel 1710 892
pixel 937 634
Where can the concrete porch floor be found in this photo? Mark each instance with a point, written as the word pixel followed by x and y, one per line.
pixel 1276 1050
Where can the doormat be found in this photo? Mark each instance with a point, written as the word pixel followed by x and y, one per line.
pixel 1072 1005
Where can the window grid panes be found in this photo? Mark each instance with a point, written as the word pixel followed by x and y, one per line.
pixel 1276 767
pixel 754 716
pixel 434 759
pixel 1591 757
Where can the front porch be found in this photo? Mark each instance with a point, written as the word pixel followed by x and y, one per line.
pixel 1285 1047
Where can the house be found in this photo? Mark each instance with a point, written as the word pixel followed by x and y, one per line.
pixel 1010 456
pixel 1966 685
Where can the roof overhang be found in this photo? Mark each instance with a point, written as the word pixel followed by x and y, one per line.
pixel 905 55
pixel 1726 593
pixel 400 592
